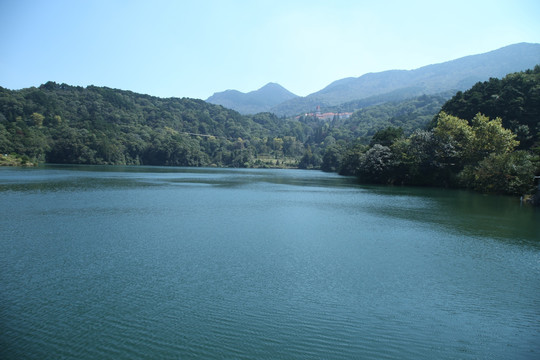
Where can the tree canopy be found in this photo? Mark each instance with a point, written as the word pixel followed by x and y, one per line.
pixel 98 125
pixel 486 138
pixel 515 99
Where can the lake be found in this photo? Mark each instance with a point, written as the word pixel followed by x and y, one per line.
pixel 175 263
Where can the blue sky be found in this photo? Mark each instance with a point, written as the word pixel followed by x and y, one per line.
pixel 195 48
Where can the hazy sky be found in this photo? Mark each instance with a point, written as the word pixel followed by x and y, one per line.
pixel 195 48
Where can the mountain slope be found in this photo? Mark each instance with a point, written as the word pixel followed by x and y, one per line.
pixel 515 99
pixel 252 102
pixel 459 74
pixel 60 123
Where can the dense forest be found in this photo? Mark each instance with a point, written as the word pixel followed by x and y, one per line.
pixel 515 99
pixel 486 138
pixel 58 123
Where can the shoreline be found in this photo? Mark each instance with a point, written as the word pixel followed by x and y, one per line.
pixel 15 160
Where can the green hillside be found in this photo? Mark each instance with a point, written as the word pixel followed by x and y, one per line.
pixel 59 123
pixel 486 138
pixel 514 98
pixel 97 125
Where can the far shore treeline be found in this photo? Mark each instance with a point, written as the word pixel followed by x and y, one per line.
pixel 486 138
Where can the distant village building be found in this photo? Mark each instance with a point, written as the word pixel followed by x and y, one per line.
pixel 327 116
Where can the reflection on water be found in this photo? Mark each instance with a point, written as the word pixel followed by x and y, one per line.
pixel 500 217
pixel 146 262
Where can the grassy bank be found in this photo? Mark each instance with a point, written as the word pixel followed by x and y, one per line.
pixel 15 160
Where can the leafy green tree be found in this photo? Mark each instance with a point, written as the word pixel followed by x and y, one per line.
pixel 376 165
pixel 474 141
pixel 37 119
pixel 515 99
pixel 420 159
pixel 331 161
pixel 456 132
pixel 70 148
pixel 309 160
pixel 387 136
pixel 351 160
pixel 505 173
pixel 5 143
pixel 490 137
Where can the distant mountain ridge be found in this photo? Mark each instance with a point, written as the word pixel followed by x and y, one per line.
pixel 458 74
pixel 253 102
pixel 454 75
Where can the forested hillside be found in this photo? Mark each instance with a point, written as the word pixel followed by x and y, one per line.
pixel 486 138
pixel 96 125
pixel 410 114
pixel 515 99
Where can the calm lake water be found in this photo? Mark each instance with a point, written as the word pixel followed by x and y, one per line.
pixel 173 263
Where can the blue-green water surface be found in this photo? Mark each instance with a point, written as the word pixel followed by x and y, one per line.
pixel 173 263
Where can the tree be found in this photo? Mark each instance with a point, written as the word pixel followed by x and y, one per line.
pixel 309 160
pixel 490 137
pixel 473 142
pixel 351 160
pixel 331 160
pixel 387 136
pixel 376 165
pixel 453 130
pixel 506 173
pixel 515 99
pixel 37 119
pixel 421 159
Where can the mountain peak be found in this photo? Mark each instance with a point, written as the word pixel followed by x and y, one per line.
pixel 458 74
pixel 256 101
pixel 272 85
